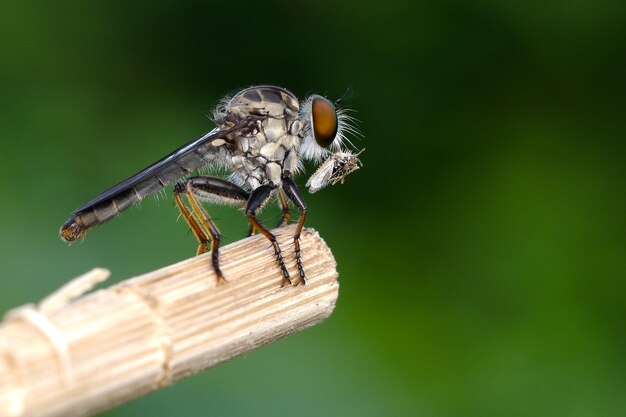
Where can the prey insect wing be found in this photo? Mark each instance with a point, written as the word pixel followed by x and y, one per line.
pixel 322 176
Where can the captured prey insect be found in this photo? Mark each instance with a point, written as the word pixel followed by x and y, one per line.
pixel 336 168
pixel 263 134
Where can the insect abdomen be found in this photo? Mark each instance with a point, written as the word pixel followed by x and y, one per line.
pixel 80 222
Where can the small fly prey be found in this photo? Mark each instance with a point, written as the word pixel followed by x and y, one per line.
pixel 262 136
pixel 336 168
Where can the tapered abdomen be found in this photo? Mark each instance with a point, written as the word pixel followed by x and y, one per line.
pixel 84 219
pixel 146 182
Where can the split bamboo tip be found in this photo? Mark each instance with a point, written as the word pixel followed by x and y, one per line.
pixel 76 355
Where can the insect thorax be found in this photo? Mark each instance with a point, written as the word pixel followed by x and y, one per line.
pixel 261 155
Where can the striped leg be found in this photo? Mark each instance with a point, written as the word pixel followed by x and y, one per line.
pixel 201 224
pixel 291 189
pixel 257 198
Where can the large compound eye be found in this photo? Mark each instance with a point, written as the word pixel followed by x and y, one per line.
pixel 324 121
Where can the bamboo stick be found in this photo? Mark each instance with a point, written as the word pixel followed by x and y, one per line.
pixel 76 355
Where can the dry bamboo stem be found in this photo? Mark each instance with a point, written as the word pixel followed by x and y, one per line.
pixel 74 356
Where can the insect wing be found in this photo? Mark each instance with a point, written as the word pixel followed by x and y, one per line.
pixel 322 176
pixel 182 161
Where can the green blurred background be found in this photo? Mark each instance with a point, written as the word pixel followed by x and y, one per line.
pixel 481 249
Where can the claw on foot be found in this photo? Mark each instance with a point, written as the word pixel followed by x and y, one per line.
pixel 285 281
pixel 299 280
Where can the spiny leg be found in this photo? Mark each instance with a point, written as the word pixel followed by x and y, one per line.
pixel 257 198
pixel 291 189
pixel 209 189
pixel 210 226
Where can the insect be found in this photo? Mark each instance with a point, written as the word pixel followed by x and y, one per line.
pixel 336 168
pixel 262 136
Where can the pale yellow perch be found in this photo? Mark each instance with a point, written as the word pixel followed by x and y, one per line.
pixel 76 355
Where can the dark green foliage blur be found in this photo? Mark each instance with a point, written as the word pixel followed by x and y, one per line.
pixel 481 249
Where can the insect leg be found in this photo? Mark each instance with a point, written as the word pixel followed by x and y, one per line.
pixel 286 217
pixel 195 227
pixel 285 206
pixel 292 191
pixel 209 189
pixel 258 197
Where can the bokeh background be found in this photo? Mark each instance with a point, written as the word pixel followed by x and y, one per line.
pixel 481 249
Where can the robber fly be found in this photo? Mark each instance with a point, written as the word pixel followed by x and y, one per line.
pixel 263 134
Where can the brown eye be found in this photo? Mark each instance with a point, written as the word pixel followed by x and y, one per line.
pixel 324 121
